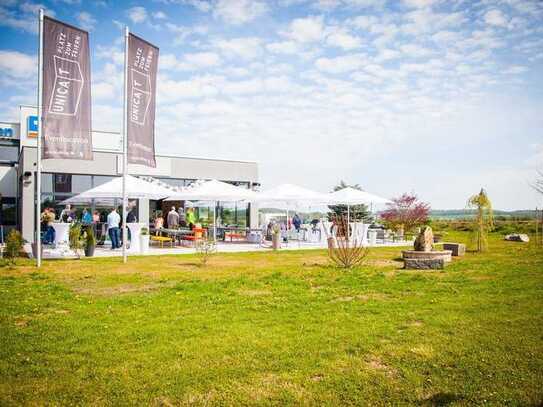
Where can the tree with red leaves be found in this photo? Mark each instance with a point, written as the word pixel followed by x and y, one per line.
pixel 406 212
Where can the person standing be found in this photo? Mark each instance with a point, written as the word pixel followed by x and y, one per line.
pixel 48 217
pixel 113 220
pixel 182 218
pixel 297 222
pixel 67 215
pixel 191 218
pixel 173 219
pixel 86 219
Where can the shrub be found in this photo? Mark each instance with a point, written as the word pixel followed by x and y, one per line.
pixel 204 249
pixel 14 245
pixel 347 252
pixel 406 212
pixel 74 237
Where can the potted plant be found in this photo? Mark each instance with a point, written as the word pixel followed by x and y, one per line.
pixel 144 240
pixel 90 241
pixel 276 236
pixel 74 238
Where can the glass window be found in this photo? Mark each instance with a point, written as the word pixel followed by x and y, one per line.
pixel 9 153
pixel 8 212
pixel 62 183
pixel 47 183
pixel 101 179
pixel 81 183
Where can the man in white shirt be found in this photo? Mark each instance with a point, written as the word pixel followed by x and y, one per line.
pixel 113 220
pixel 173 219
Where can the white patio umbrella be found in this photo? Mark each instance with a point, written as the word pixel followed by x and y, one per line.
pixel 352 196
pixel 135 188
pixel 294 195
pixel 214 191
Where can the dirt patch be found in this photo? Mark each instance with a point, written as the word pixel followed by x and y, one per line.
pixel 376 364
pixel 254 293
pixel 124 289
pixel 415 323
pixel 362 297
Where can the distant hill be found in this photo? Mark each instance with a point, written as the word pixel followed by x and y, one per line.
pixel 469 213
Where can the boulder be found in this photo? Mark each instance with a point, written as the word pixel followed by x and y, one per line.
pixel 424 264
pixel 457 249
pixel 518 237
pixel 425 240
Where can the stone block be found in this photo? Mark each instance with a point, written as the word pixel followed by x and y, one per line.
pixel 457 249
pixel 424 264
pixel 518 237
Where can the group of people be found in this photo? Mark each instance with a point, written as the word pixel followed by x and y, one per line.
pixel 88 218
pixel 176 219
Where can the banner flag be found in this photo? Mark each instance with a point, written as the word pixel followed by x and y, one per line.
pixel 66 93
pixel 141 93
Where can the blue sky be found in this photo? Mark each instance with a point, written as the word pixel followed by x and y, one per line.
pixel 431 96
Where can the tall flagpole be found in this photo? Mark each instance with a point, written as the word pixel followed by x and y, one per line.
pixel 38 142
pixel 125 140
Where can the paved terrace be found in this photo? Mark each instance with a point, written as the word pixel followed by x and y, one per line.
pixel 229 247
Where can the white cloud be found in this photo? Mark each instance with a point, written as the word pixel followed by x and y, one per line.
pixel 137 14
pixel 343 39
pixel 201 5
pixel 415 51
pixel 160 15
pixel 25 19
pixel 239 11
pixel 283 47
pixel 515 69
pixel 103 90
pixel 496 18
pixel 17 64
pixel 246 48
pixel 190 61
pixel 306 30
pixel 86 20
pixel 419 3
pixel 341 64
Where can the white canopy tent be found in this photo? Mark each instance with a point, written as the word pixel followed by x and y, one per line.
pixel 135 189
pixel 352 196
pixel 295 196
pixel 214 191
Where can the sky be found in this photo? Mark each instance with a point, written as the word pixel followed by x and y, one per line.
pixel 435 97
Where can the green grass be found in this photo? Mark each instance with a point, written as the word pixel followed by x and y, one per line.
pixel 274 328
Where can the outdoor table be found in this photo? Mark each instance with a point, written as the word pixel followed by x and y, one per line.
pixel 177 233
pixel 135 232
pixel 61 232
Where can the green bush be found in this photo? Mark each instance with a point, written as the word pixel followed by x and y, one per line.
pixel 14 245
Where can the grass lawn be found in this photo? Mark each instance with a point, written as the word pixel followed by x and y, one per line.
pixel 274 328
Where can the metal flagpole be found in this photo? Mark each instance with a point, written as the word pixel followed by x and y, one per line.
pixel 38 142
pixel 125 140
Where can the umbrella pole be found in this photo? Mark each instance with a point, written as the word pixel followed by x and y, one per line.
pixel 348 221
pixel 215 222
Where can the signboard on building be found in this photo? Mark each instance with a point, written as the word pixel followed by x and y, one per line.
pixel 9 130
pixel 32 126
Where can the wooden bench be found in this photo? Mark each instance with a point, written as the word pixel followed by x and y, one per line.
pixel 233 235
pixel 162 239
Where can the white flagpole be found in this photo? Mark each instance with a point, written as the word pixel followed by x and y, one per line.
pixel 38 142
pixel 125 141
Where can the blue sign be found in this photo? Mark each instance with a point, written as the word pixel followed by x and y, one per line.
pixel 32 126
pixel 6 132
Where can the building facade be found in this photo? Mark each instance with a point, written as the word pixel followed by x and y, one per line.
pixel 62 179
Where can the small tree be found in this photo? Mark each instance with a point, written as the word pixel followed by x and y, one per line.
pixel 14 245
pixel 346 253
pixel 75 240
pixel 483 221
pixel 538 183
pixel 357 213
pixel 406 212
pixel 204 249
